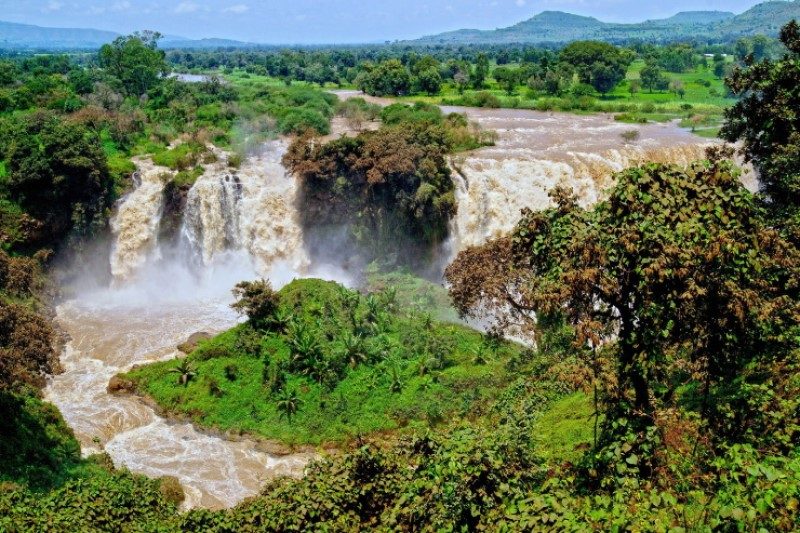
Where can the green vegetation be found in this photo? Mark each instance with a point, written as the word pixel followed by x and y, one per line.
pixel 318 363
pixel 412 293
pixel 663 391
pixel 559 27
pixel 390 187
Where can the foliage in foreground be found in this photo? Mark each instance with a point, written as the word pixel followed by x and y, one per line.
pixel 682 297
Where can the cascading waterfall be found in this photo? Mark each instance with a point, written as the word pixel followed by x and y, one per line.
pixel 135 226
pixel 536 152
pixel 243 223
pixel 248 210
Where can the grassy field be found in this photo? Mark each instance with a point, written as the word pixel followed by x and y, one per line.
pixel 416 372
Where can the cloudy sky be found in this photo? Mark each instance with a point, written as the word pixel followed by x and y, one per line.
pixel 328 21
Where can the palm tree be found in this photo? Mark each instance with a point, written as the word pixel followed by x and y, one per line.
pixel 305 352
pixel 479 355
pixel 390 299
pixel 289 404
pixel 395 383
pixel 186 372
pixel 374 309
pixel 282 318
pixel 354 350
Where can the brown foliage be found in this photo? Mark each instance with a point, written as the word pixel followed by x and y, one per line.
pixel 677 269
pixel 26 347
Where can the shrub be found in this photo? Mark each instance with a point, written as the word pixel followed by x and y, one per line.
pixel 257 300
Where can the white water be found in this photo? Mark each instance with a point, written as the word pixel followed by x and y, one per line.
pixel 242 224
pixel 135 224
pixel 536 152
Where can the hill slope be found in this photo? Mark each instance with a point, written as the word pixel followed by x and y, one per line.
pixel 13 35
pixel 27 36
pixel 559 27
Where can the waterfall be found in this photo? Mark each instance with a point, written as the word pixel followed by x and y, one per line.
pixel 135 225
pixel 247 213
pixel 491 192
pixel 247 210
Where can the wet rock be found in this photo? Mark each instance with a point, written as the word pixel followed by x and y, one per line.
pixel 189 345
pixel 119 385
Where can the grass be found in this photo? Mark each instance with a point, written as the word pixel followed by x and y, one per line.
pixel 38 450
pixel 400 386
pixel 414 293
pixel 566 427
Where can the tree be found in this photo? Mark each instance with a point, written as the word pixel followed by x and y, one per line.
pixel 742 49
pixel 507 78
pixel 430 81
pixel 389 78
pixel 185 370
pixel 26 348
pixel 390 187
pixel 58 173
pixel 677 87
pixel 719 67
pixel 135 61
pixel 597 63
pixel 605 77
pixel 676 269
pixel 634 86
pixel 760 47
pixel 481 71
pixel 288 404
pixel 765 120
pixel 257 300
pixel 650 76
pixel 461 78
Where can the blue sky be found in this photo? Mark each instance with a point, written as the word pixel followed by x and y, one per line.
pixel 328 21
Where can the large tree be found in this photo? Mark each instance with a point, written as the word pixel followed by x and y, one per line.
pixel 599 64
pixel 676 271
pixel 58 174
pixel 766 120
pixel 135 61
pixel 389 78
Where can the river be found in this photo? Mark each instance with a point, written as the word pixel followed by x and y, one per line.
pixel 241 224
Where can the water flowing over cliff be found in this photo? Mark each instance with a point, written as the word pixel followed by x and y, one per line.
pixel 536 152
pixel 242 223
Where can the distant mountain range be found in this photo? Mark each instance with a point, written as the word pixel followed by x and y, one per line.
pixel 26 36
pixel 551 27
pixel 558 27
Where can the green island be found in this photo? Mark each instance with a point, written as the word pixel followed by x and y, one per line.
pixel 330 365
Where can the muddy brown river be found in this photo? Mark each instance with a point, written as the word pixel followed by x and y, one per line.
pixel 241 225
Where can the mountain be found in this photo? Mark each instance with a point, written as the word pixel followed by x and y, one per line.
pixel 27 36
pixel 183 43
pixel 558 27
pixel 13 35
pixel 696 17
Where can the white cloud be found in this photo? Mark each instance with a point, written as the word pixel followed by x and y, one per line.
pixel 237 9
pixel 520 3
pixel 53 5
pixel 186 7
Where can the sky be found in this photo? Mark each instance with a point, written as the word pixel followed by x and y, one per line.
pixel 328 21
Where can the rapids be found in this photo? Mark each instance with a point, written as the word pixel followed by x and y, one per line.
pixel 242 224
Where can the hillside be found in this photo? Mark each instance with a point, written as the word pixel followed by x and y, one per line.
pixel 559 27
pixel 13 35
pixel 27 36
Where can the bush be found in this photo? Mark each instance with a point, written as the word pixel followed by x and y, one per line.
pixel 257 300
